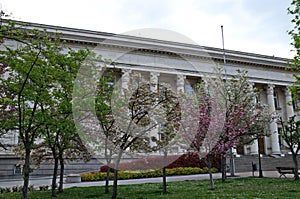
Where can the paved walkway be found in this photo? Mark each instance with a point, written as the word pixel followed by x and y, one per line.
pixel 39 181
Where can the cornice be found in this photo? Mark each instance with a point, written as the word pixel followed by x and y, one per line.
pixel 133 43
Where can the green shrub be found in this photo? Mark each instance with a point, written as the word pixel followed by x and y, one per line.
pixel 214 170
pixel 44 188
pixel 5 190
pixel 124 175
pixel 14 189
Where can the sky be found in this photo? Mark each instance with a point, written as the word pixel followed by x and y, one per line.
pixel 255 26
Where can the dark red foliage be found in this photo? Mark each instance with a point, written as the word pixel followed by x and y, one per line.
pixel 193 160
pixel 185 160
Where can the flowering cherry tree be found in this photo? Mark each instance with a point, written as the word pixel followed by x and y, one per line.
pixel 220 113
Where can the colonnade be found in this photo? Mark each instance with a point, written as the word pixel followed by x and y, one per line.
pixel 274 146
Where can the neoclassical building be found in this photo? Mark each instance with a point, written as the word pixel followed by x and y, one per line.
pixel 182 65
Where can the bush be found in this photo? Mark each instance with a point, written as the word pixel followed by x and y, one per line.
pixel 193 160
pixel 5 190
pixel 44 188
pixel 124 175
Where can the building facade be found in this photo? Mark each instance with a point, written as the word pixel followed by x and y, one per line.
pixel 182 65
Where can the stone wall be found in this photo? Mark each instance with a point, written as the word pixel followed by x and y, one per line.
pixel 8 166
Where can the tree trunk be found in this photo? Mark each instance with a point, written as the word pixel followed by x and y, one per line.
pixel 115 185
pixel 296 175
pixel 107 178
pixel 259 164
pixel 54 177
pixel 209 164
pixel 164 172
pixel 108 161
pixel 223 167
pixel 61 175
pixel 26 172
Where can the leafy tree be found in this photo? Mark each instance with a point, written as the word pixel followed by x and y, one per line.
pixel 295 34
pixel 168 132
pixel 59 132
pixel 258 130
pixel 132 113
pixel 291 135
pixel 105 116
pixel 92 110
pixel 61 148
pixel 29 81
pixel 7 111
pixel 290 128
pixel 137 112
pixel 38 83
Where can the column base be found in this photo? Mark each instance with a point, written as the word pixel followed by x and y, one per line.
pixel 276 153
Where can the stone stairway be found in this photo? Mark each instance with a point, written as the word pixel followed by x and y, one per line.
pixel 269 163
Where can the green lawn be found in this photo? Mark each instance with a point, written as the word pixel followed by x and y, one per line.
pixel 232 188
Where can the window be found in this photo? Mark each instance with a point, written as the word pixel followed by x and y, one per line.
pixel 276 100
pixel 257 99
pixel 279 136
pixel 188 88
pixel 295 102
pixel 190 84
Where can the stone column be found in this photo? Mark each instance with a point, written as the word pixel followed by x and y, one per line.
pixel 273 125
pixel 180 83
pixel 254 145
pixel 125 78
pixel 288 100
pixel 154 80
pixel 254 148
pixel 154 86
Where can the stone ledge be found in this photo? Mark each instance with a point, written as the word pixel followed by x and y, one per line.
pixel 73 178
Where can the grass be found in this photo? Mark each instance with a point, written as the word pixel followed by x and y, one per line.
pixel 232 188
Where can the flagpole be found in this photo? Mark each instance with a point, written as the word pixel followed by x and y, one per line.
pixel 224 54
pixel 232 165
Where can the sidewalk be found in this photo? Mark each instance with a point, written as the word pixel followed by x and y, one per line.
pixel 40 181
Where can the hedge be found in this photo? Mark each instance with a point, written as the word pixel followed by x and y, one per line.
pixel 123 175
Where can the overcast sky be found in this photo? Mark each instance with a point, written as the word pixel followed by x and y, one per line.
pixel 257 26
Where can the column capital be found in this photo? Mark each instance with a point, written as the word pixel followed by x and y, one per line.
pixel 154 80
pixel 154 74
pixel 181 76
pixel 287 92
pixel 125 70
pixel 251 84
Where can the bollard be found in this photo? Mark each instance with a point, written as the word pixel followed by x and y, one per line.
pixel 254 168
